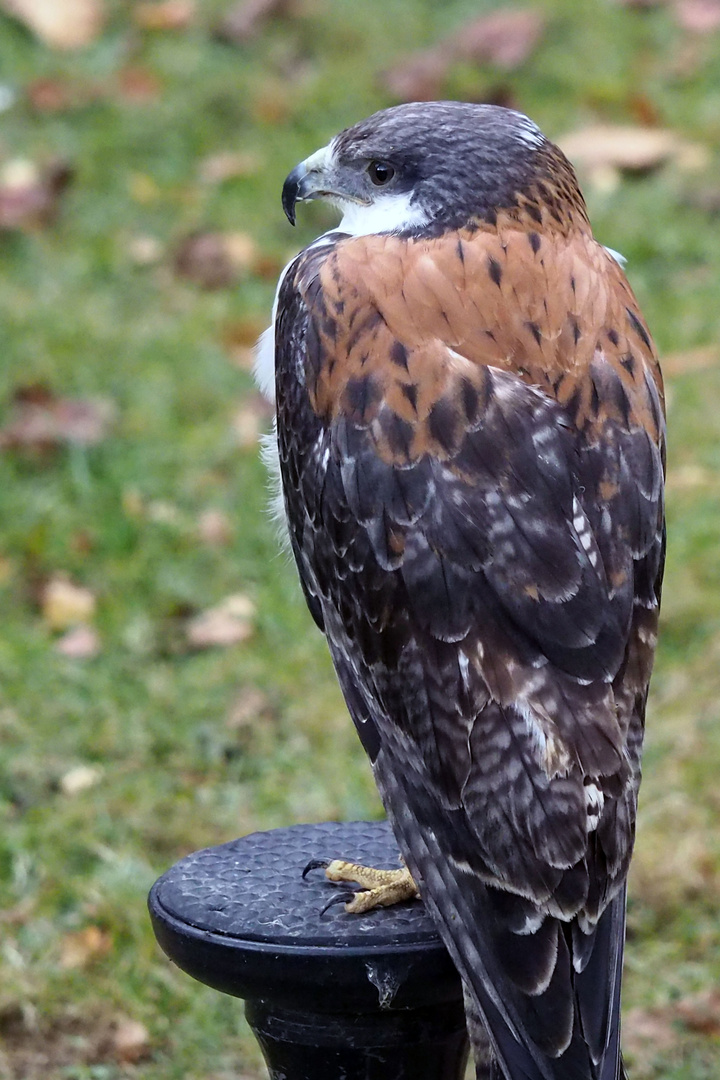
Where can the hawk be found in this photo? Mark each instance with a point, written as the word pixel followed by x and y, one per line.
pixel 470 440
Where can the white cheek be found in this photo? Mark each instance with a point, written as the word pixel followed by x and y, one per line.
pixel 389 213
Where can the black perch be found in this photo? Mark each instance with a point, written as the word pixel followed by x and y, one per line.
pixel 329 996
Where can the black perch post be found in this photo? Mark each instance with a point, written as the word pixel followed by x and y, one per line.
pixel 329 996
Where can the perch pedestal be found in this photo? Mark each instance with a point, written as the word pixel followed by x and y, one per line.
pixel 329 996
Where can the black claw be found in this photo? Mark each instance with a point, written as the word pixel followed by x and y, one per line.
pixel 340 898
pixel 315 864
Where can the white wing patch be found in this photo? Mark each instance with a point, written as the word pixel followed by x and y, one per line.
pixel 619 259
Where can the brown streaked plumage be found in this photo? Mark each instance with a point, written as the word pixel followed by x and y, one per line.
pixel 471 444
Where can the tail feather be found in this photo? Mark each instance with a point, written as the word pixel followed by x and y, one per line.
pixel 568 1028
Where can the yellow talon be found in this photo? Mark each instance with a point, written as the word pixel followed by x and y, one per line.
pixel 381 888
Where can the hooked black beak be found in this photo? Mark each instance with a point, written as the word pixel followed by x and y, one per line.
pixel 308 180
pixel 292 190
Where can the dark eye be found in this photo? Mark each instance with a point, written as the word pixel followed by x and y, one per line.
pixel 380 172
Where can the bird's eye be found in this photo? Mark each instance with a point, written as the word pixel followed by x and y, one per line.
pixel 380 173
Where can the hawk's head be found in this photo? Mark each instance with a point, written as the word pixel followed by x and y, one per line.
pixel 430 166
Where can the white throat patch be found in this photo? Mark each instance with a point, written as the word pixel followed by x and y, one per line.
pixel 390 213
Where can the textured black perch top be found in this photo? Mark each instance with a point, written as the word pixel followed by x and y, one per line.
pixel 330 996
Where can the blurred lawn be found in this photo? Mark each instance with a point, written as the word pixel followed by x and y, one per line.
pixel 181 766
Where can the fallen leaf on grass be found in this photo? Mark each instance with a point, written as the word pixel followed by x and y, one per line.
pixel 42 421
pixel 228 623
pixel 689 477
pixel 647 1033
pixel 698 16
pixel 690 361
pixel 165 14
pixel 51 95
pixel 70 24
pixel 606 150
pixel 250 420
pixel 139 85
pixel 65 604
pixel 80 778
pixel 701 1012
pixel 245 20
pixel 228 165
pixel 80 949
pixel 250 707
pixel 30 194
pixel 504 38
pixel 129 1041
pixel 240 339
pixel 214 260
pixel 80 643
pixel 214 529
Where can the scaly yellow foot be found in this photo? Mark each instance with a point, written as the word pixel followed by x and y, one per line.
pixel 379 888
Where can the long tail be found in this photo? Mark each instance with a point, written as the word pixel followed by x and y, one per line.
pixel 549 997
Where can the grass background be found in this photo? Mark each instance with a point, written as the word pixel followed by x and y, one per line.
pixel 80 316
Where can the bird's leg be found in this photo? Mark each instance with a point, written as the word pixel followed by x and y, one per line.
pixel 378 888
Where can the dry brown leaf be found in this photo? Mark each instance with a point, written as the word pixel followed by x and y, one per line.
pixel 65 604
pixel 60 24
pixel 214 529
pixel 130 1041
pixel 418 77
pixel 41 421
pixel 228 623
pixel 80 949
pixel 701 1012
pixel 204 259
pixel 698 16
pixel 689 477
pixel 245 20
pixel 80 643
pixel 80 778
pixel 240 339
pixel 271 104
pixel 229 165
pixel 242 250
pixel 30 194
pixel 690 361
pixel 503 38
pixel 139 85
pixel 604 150
pixel 215 260
pixel 647 1033
pixel 51 95
pixel 250 420
pixel 165 14
pixel 250 706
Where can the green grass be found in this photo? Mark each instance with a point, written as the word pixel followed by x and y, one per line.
pixel 80 316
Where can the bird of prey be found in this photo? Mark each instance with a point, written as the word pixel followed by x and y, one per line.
pixel 470 440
